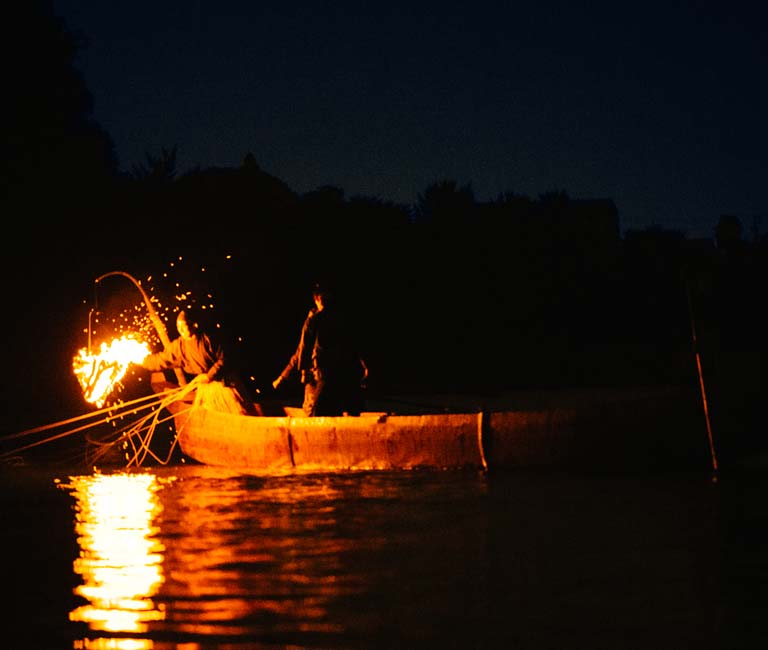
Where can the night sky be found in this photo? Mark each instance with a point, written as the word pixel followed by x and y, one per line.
pixel 659 106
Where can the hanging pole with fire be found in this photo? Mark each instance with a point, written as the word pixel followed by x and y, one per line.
pixel 162 332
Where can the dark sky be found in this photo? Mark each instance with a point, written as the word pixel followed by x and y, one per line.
pixel 659 106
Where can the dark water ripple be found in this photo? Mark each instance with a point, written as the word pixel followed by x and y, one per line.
pixel 194 557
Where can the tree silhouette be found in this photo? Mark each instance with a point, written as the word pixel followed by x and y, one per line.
pixel 445 203
pixel 157 169
pixel 55 157
pixel 728 232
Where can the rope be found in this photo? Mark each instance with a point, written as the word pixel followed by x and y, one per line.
pixel 79 418
pixel 142 445
pixel 155 403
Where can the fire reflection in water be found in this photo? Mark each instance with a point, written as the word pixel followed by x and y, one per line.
pixel 121 556
pixel 205 553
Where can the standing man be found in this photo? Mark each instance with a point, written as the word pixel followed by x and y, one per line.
pixel 328 361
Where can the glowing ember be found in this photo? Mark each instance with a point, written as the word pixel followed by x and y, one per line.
pixel 98 374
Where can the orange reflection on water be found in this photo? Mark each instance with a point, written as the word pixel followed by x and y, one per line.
pixel 243 556
pixel 117 644
pixel 251 553
pixel 120 557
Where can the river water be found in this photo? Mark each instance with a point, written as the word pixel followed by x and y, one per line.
pixel 192 557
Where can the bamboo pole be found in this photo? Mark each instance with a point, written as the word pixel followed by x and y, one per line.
pixel 701 378
pixel 162 332
pixel 109 411
pixel 153 403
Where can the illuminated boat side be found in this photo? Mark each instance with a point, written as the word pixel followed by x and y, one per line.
pixel 649 430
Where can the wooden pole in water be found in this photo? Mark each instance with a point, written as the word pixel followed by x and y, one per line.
pixel 701 378
pixel 156 321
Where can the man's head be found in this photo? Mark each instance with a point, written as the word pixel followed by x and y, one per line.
pixel 186 324
pixel 321 295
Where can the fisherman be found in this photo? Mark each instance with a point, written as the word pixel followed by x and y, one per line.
pixel 202 359
pixel 327 361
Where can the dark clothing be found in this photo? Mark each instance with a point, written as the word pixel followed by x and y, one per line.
pixel 195 356
pixel 290 367
pixel 199 355
pixel 329 365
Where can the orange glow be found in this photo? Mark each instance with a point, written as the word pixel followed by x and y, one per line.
pixel 121 556
pixel 101 372
pixel 116 644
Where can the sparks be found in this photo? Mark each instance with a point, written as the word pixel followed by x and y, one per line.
pixel 100 373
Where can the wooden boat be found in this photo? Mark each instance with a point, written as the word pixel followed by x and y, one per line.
pixel 608 430
pixel 639 429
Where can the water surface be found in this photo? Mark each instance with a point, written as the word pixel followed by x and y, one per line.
pixel 195 557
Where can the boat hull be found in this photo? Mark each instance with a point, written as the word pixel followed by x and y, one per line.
pixel 639 431
pixel 365 442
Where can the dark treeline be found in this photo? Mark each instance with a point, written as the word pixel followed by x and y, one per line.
pixel 451 294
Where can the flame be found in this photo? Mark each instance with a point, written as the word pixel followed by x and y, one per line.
pixel 99 373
